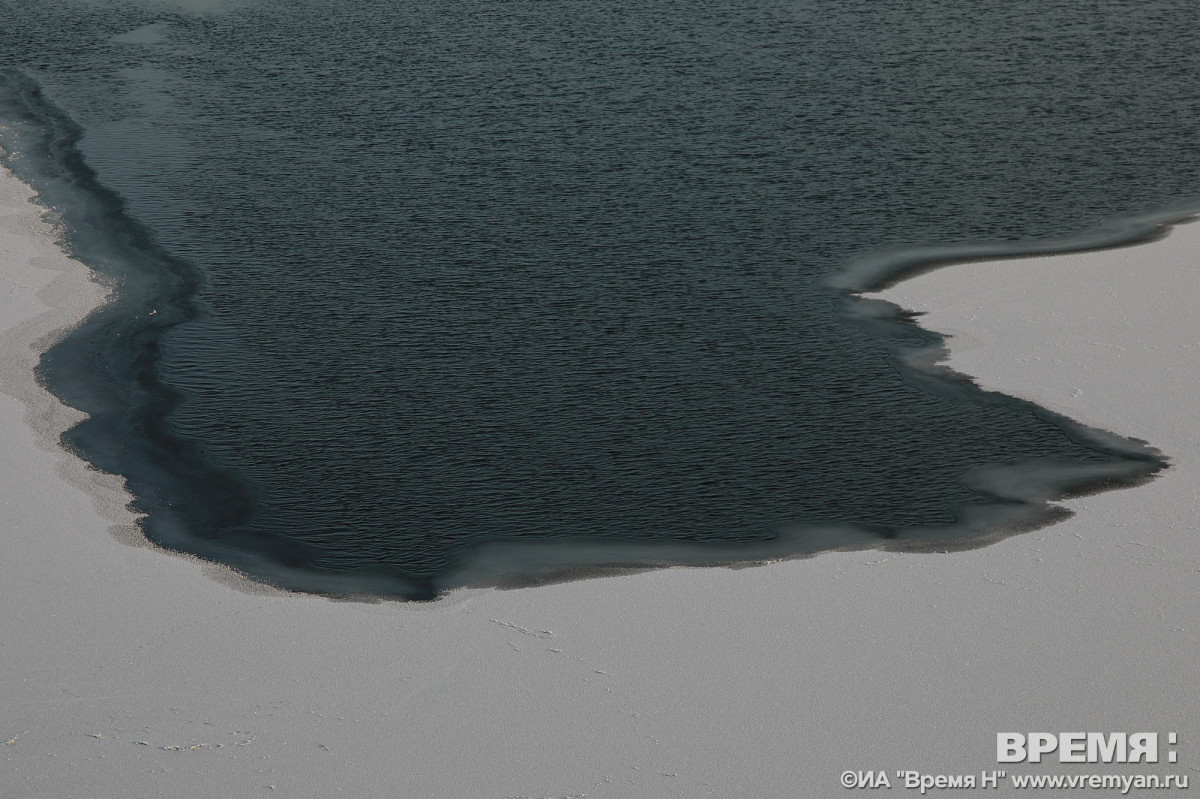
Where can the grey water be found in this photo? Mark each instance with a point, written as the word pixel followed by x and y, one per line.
pixel 414 296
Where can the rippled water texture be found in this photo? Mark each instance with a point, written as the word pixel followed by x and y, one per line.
pixel 420 295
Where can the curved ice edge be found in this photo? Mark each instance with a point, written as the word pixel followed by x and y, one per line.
pixel 1019 494
pixel 879 269
pixel 505 564
pixel 919 353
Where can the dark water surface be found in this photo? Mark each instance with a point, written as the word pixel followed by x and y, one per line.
pixel 422 295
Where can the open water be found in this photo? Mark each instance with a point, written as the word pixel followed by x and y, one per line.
pixel 412 295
